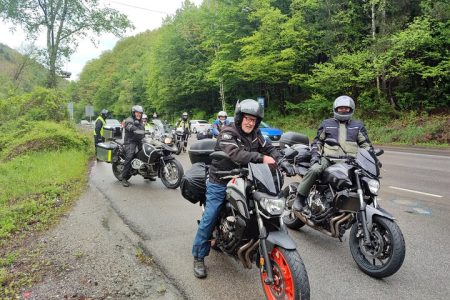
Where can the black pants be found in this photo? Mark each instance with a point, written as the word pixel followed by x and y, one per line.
pixel 185 138
pixel 130 150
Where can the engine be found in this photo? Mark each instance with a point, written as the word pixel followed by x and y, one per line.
pixel 230 233
pixel 320 201
pixel 137 164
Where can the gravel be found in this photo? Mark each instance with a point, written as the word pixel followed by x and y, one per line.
pixel 94 255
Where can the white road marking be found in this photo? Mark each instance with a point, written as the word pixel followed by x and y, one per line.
pixel 417 192
pixel 419 154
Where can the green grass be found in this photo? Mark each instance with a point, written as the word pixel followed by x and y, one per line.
pixel 35 188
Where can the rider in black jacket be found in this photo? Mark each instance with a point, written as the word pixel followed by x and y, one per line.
pixel 131 140
pixel 244 143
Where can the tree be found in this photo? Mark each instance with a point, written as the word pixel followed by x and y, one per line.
pixel 65 23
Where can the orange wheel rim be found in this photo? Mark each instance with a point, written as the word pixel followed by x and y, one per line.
pixel 283 286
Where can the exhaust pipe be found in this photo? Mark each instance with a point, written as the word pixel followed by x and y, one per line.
pixel 247 254
pixel 241 253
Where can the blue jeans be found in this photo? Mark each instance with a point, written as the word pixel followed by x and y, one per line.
pixel 215 197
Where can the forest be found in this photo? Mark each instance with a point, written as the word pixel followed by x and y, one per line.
pixel 299 55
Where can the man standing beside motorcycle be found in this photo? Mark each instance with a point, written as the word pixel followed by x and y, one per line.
pixel 183 123
pixel 243 143
pixel 220 123
pixel 132 140
pixel 350 134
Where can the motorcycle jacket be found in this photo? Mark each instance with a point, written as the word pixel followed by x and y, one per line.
pixel 98 130
pixel 185 126
pixel 350 134
pixel 242 148
pixel 131 125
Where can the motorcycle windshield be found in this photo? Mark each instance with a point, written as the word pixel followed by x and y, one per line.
pixel 267 180
pixel 366 161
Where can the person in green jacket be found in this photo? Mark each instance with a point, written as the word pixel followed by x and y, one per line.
pixel 100 123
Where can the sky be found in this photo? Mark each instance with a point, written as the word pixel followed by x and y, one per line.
pixel 145 15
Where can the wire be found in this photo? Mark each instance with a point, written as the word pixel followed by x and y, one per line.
pixel 138 7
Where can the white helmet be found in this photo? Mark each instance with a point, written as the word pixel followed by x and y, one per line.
pixel 345 101
pixel 144 116
pixel 222 114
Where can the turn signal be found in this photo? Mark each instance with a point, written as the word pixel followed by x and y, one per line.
pixel 261 261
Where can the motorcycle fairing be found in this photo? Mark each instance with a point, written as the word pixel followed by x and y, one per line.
pixel 338 176
pixel 266 180
pixel 366 161
pixel 236 196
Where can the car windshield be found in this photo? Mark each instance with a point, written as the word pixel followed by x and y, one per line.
pixel 112 122
pixel 264 125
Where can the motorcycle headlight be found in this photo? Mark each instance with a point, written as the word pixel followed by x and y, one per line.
pixel 273 206
pixel 373 185
pixel 167 140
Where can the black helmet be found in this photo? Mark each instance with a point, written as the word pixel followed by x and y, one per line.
pixel 248 107
pixel 104 113
pixel 135 109
pixel 345 101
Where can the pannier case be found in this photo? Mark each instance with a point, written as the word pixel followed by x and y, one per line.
pixel 105 151
pixel 291 138
pixel 200 151
pixel 108 132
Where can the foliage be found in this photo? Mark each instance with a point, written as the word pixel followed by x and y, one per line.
pixel 65 22
pixel 392 57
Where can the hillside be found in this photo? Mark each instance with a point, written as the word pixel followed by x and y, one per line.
pixel 20 73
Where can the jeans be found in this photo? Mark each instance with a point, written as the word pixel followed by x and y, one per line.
pixel 215 197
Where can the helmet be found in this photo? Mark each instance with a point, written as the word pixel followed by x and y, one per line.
pixel 343 101
pixel 135 109
pixel 144 116
pixel 222 114
pixel 184 116
pixel 104 113
pixel 248 107
pixel 155 115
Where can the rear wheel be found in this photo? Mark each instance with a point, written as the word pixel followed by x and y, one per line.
pixel 171 174
pixel 289 218
pixel 385 254
pixel 289 275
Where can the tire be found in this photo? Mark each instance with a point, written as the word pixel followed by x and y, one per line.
pixel 289 218
pixel 290 276
pixel 175 172
pixel 117 168
pixel 388 247
pixel 179 148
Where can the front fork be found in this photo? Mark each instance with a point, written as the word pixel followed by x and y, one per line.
pixel 362 210
pixel 263 246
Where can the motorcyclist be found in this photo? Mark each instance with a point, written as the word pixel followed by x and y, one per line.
pixel 219 123
pixel 183 123
pixel 100 122
pixel 350 134
pixel 244 143
pixel 148 127
pixel 132 140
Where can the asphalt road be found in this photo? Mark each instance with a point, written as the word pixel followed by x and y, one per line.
pixel 415 189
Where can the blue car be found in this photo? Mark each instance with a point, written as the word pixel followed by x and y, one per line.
pixel 273 134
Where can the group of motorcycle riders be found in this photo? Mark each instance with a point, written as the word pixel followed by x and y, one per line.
pixel 243 142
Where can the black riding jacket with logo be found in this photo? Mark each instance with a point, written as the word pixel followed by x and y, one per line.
pixel 350 134
pixel 130 128
pixel 242 148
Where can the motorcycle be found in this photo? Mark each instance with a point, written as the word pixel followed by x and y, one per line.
pixel 345 197
pixel 154 159
pixel 179 141
pixel 250 228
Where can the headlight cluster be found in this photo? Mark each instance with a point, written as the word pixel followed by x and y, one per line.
pixel 167 140
pixel 273 206
pixel 373 185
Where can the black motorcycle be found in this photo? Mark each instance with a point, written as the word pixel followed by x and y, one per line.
pixel 179 139
pixel 344 197
pixel 154 159
pixel 250 227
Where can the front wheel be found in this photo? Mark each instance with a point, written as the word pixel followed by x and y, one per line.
pixel 289 218
pixel 171 173
pixel 117 168
pixel 179 148
pixel 386 252
pixel 289 275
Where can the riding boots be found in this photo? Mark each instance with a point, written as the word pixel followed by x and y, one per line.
pixel 199 267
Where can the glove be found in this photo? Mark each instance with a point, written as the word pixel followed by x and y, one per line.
pixel 136 123
pixel 315 159
pixel 288 168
